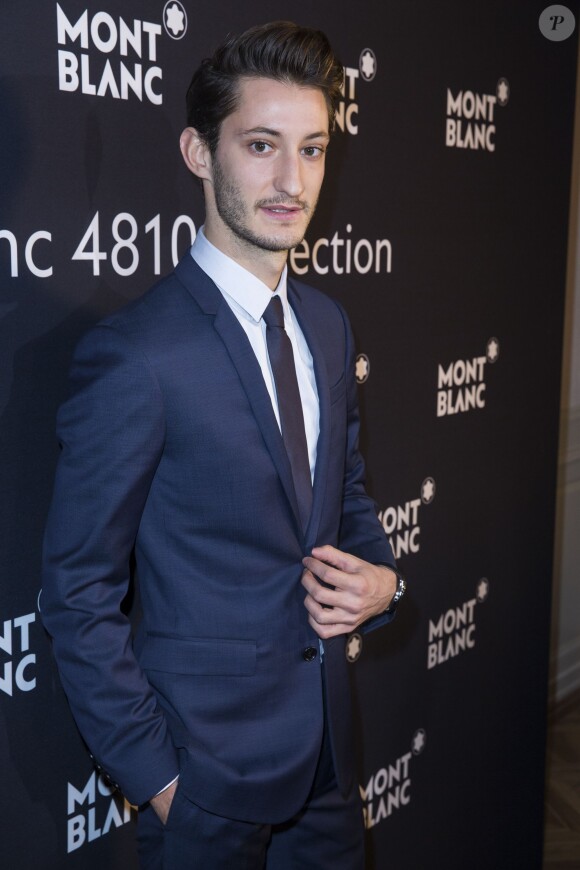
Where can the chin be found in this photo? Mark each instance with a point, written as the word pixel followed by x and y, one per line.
pixel 273 243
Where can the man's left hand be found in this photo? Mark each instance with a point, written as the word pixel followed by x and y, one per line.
pixel 359 590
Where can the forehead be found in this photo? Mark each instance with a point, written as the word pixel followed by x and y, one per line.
pixel 264 102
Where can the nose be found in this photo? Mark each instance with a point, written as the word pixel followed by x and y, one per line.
pixel 289 179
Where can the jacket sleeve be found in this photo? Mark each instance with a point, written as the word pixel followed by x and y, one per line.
pixel 111 432
pixel 360 530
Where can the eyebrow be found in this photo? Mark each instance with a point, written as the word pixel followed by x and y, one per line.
pixel 267 131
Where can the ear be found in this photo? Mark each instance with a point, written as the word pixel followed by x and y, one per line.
pixel 195 153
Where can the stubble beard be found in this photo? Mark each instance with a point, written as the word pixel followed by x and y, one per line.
pixel 233 211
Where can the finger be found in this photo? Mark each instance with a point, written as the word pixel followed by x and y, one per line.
pixel 338 558
pixel 323 594
pixel 322 571
pixel 323 615
pixel 334 577
pixel 331 598
pixel 325 632
pixel 311 583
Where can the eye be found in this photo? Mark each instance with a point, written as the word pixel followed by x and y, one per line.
pixel 313 151
pixel 260 147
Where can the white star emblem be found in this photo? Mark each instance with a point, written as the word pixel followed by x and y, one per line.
pixel 368 64
pixel 175 19
pixel 503 91
pixel 353 647
pixel 482 589
pixel 492 350
pixel 363 368
pixel 428 490
pixel 418 742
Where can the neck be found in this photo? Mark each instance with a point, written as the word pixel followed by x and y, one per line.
pixel 265 265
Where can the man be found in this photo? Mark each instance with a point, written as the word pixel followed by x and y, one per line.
pixel 221 449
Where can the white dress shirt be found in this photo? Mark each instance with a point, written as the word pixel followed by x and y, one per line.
pixel 248 298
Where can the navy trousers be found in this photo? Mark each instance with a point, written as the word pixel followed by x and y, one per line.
pixel 327 834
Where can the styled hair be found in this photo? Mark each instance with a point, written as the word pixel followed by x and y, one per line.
pixel 280 50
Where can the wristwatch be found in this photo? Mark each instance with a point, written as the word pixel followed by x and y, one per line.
pixel 399 591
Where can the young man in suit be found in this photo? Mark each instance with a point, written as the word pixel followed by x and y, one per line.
pixel 212 431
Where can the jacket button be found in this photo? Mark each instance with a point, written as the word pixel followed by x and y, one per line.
pixel 309 654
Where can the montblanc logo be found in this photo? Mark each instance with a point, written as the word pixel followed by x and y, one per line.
pixel 347 109
pixel 418 742
pixel 401 522
pixel 471 117
pixel 453 632
pixel 389 788
pixel 461 383
pixel 362 368
pixel 104 55
pixel 175 19
pixel 368 64
pixel 17 659
pixel 93 811
pixel 353 647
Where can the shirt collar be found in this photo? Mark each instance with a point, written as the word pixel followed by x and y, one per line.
pixel 242 286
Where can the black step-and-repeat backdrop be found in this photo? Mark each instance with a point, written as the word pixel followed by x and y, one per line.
pixel 443 230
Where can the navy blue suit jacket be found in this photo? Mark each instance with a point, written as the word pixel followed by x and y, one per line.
pixel 171 449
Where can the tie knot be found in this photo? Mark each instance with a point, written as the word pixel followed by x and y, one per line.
pixel 274 313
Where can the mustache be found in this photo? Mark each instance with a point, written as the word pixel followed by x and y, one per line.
pixel 283 200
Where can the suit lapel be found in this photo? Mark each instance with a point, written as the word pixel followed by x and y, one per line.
pixel 211 301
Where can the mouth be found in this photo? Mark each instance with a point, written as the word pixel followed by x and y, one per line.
pixel 282 212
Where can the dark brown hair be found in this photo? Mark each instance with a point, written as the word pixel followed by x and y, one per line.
pixel 280 50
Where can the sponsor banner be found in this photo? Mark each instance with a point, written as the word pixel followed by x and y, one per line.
pixel 452 632
pixel 347 119
pixel 401 522
pixel 102 53
pixel 94 809
pixel 18 654
pixel 117 246
pixel 342 254
pixel 388 789
pixel 461 384
pixel 472 117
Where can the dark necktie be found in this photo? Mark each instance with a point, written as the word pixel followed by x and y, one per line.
pixel 289 405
